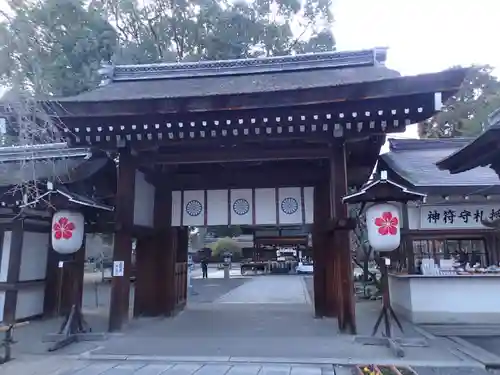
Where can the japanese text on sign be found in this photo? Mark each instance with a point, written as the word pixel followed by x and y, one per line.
pixel 457 216
pixel 118 268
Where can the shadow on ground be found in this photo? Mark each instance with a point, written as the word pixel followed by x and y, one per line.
pixel 209 290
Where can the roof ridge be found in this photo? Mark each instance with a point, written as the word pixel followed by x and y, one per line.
pixel 417 165
pixel 422 144
pixel 322 60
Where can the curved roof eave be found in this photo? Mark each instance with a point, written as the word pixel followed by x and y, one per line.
pixel 478 153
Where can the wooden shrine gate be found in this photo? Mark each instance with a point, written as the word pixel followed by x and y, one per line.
pixel 187 132
pixel 162 247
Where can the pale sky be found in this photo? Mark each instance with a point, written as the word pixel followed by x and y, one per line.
pixel 422 35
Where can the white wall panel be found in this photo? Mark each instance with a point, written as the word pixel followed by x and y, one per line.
pixel 4 262
pixel 2 304
pixel 176 208
pixel 217 207
pixel 265 207
pixel 309 204
pixel 144 201
pixel 34 256
pixel 30 301
pixel 241 207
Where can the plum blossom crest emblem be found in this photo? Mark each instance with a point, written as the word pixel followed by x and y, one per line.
pixel 63 229
pixel 387 224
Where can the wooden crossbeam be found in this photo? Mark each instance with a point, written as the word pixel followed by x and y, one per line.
pixel 5 328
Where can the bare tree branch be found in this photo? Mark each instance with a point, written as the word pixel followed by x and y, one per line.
pixel 27 122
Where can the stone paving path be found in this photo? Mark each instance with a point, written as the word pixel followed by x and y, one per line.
pixel 59 365
pixel 270 323
pixel 289 289
pixel 65 366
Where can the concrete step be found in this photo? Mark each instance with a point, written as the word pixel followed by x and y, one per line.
pixel 462 330
pixel 490 360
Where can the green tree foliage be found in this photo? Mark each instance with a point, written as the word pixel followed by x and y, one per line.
pixel 220 231
pixel 58 45
pixel 225 245
pixel 167 30
pixel 53 46
pixel 466 113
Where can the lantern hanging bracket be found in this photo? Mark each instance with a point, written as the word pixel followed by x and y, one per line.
pixel 383 190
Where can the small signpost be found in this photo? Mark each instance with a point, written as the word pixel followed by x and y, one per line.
pixel 118 268
pixel 227 264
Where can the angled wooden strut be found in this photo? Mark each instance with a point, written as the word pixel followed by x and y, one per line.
pixel 74 327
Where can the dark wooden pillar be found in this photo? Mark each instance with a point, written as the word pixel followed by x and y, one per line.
pixel 320 246
pixel 181 267
pixel 78 273
pixel 122 251
pixel 182 244
pixel 14 252
pixel 492 248
pixel 406 241
pixel 63 286
pixel 146 282
pixel 166 243
pixel 52 292
pixel 332 250
pixel 341 275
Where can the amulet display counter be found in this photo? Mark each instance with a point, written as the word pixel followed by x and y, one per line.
pixel 446 299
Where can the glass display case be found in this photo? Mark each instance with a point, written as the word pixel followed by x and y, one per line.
pixel 438 249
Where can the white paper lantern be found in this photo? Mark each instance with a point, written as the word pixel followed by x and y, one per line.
pixel 67 231
pixel 382 222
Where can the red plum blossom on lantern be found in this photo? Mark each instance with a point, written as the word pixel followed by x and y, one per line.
pixel 63 229
pixel 388 224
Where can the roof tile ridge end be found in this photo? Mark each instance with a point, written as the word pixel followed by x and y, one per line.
pixel 106 72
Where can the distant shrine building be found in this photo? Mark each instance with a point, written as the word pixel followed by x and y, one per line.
pixel 453 216
pixel 271 142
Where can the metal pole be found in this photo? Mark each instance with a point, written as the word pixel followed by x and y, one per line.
pixel 102 266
